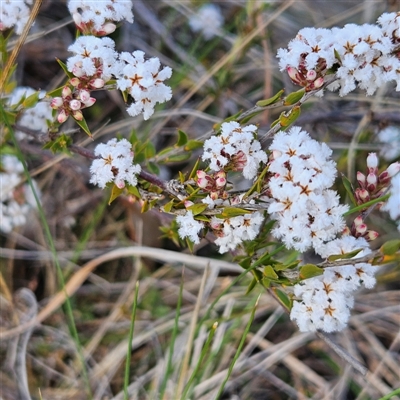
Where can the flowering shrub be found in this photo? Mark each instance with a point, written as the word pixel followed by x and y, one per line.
pixel 260 201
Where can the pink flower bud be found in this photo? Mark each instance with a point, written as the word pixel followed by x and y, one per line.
pixel 200 173
pixel 77 115
pixel 362 195
pixel 62 116
pixel 120 184
pixel 188 203
pixel 89 102
pixel 66 92
pixel 372 181
pixel 77 71
pixel 372 161
pixel 311 75
pixel 96 83
pixel 75 105
pixel 294 75
pixel 393 169
pixel 215 224
pixel 384 178
pixel 214 196
pixel 318 82
pixel 84 95
pixel 361 179
pixel 361 229
pixel 56 102
pixel 358 221
pixel 108 28
pixel 75 82
pixel 371 235
pixel 202 183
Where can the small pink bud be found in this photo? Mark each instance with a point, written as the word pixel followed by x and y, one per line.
pixel 214 196
pixel 393 169
pixel 66 92
pixel 120 184
pixel 77 115
pixel 89 102
pixel 361 179
pixel 371 235
pixel 372 161
pixel 361 229
pixel 96 83
pixel 84 95
pixel 215 224
pixel 358 221
pixel 200 173
pixel 311 75
pixel 384 178
pixel 75 82
pixel 318 82
pixel 62 116
pixel 362 195
pixel 77 18
pixel 202 183
pixel 294 74
pixel 56 102
pixel 220 182
pixel 75 105
pixel 108 28
pixel 188 203
pixel 77 71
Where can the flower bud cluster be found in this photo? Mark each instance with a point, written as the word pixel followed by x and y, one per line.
pixel 214 184
pixel 115 164
pixel 17 201
pixel 365 56
pixel 71 103
pixel 96 18
pixel 392 206
pixel 236 149
pixel 374 184
pixel 360 229
pixel 14 13
pixel 307 212
pixel 324 302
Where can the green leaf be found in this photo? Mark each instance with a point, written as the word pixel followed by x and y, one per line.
pixel 294 97
pixel 202 218
pixel 192 174
pixel 283 298
pixel 270 273
pixel 182 177
pixel 165 151
pixel 178 157
pixel 287 119
pixel 145 206
pixel 55 93
pixel 133 190
pixel 193 144
pixel 230 212
pixel 245 264
pixel 310 271
pixel 150 150
pixel 197 208
pixel 182 138
pixel 31 100
pixel 65 69
pixel 153 167
pixel 115 192
pixel 271 100
pixel 84 127
pixel 337 55
pixel 349 189
pixel 251 286
pixel 59 144
pixel 346 256
pixel 391 247
pixel 167 208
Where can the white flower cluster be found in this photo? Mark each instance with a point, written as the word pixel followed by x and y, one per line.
pixel 33 118
pixel 14 13
pixel 233 231
pixel 307 213
pixel 97 16
pixel 114 165
pixel 235 148
pixel 17 200
pixel 392 206
pixel 325 301
pixel 363 55
pixel 92 57
pixel 207 20
pixel 390 139
pixel 189 227
pixel 143 80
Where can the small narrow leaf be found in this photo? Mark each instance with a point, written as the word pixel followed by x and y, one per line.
pixel 287 119
pixel 182 177
pixel 310 271
pixel 252 285
pixel 271 100
pixel 193 144
pixel 84 126
pixel 31 100
pixel 197 208
pixel 115 192
pixel 270 273
pixel 283 298
pixel 182 138
pixel 65 69
pixel 192 174
pixel 167 208
pixel 179 157
pixel 346 256
pixel 349 189
pixel 294 97
pixel 391 247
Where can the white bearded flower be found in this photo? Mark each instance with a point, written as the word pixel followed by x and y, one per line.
pixel 208 20
pixel 189 227
pixel 14 13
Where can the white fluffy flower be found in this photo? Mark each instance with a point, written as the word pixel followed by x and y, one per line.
pixel 96 14
pixel 17 200
pixel 144 81
pixel 207 20
pixel 33 118
pixel 233 231
pixel 324 302
pixel 114 165
pixel 392 206
pixel 14 13
pixel 91 55
pixel 307 212
pixel 390 139
pixel 235 148
pixel 189 227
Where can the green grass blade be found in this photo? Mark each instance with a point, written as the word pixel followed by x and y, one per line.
pixel 128 355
